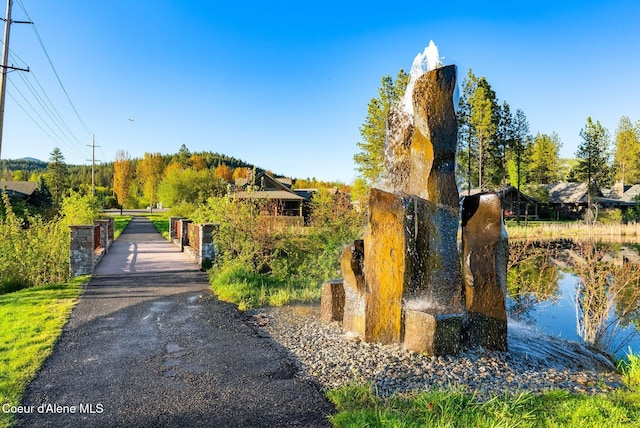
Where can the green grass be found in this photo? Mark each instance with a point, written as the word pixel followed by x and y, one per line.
pixel 630 368
pixel 30 322
pixel 359 406
pixel 120 223
pixel 237 284
pixel 161 222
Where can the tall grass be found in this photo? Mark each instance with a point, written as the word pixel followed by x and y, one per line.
pixel 607 296
pixel 630 369
pixel 360 406
pixel 573 230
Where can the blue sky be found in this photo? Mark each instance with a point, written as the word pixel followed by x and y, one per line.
pixel 285 85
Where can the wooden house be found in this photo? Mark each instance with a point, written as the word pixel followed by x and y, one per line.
pixel 275 194
pixel 21 189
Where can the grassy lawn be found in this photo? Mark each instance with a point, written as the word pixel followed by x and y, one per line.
pixel 358 406
pixel 161 222
pixel 120 223
pixel 30 322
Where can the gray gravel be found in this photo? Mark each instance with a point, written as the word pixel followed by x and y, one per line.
pixel 324 353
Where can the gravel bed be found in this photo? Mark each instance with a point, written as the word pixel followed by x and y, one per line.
pixel 325 354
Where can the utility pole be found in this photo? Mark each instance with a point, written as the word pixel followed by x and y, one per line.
pixel 5 67
pixel 93 163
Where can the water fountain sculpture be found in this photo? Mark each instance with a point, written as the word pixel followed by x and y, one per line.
pixel 404 282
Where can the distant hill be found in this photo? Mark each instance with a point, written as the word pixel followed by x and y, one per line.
pixel 27 165
pixel 32 160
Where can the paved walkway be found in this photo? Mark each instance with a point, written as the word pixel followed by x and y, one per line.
pixel 149 346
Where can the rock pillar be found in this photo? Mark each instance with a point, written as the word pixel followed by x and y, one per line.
pixel 354 288
pixel 410 256
pixel 81 250
pixel 485 251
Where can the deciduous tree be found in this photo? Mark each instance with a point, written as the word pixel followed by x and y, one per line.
pixel 189 186
pixel 478 119
pixel 222 171
pixel 627 159
pixel 122 176
pixel 545 167
pixel 150 171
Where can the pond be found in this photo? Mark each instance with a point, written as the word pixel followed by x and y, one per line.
pixel 575 291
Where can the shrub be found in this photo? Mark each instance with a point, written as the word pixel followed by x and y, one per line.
pixel 611 216
pixel 278 263
pixel 34 251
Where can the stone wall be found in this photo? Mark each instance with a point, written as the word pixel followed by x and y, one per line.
pixel 203 251
pixel 84 254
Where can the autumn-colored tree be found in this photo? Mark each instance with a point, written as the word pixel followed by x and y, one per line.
pixel 174 166
pixel 197 162
pixel 240 173
pixel 150 171
pixel 223 171
pixel 122 176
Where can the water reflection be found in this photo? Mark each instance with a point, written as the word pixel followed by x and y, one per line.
pixel 582 292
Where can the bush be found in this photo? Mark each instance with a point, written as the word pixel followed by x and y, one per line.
pixel 611 216
pixel 34 251
pixel 261 262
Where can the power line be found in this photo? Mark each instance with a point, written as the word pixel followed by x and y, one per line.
pixel 50 110
pixel 48 105
pixel 43 123
pixel 5 67
pixel 55 72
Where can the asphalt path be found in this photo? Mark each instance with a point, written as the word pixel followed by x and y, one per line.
pixel 148 345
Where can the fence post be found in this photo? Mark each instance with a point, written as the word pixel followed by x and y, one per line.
pixel 207 245
pixel 104 233
pixel 81 250
pixel 173 228
pixel 184 233
pixel 111 230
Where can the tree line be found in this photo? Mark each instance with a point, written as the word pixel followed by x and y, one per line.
pixel 128 182
pixel 496 148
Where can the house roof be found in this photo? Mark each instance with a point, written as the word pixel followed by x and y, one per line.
pixel 501 193
pixel 279 190
pixel 631 193
pixel 282 195
pixel 511 189
pixel 24 188
pixel 568 193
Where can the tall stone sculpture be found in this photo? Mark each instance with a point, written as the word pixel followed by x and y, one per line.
pixel 485 252
pixel 403 283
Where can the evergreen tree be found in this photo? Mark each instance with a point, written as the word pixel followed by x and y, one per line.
pixel 502 148
pixel 627 159
pixel 478 119
pixel 593 156
pixel 520 147
pixel 57 175
pixel 370 159
pixel 183 157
